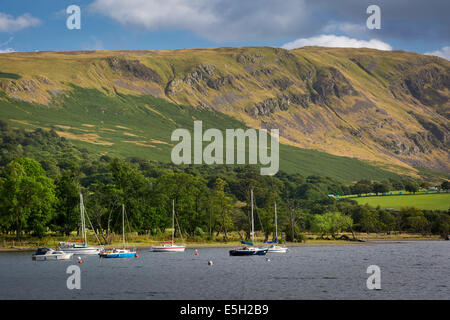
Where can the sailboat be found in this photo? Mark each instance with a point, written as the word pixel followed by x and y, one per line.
pixel 74 246
pixel 119 253
pixel 250 250
pixel 169 246
pixel 275 248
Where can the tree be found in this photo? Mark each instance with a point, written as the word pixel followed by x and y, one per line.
pixel 191 199
pixel 67 194
pixel 221 207
pixel 27 196
pixel 445 185
pixel 387 221
pixel 419 224
pixel 331 223
pixel 361 187
pixel 370 222
pixel 411 186
pixel 135 190
pixel 444 225
pixel 381 187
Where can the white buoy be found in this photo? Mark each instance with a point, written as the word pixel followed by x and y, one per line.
pixel 210 263
pixel 267 259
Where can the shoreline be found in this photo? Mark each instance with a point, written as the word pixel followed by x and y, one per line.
pixel 310 243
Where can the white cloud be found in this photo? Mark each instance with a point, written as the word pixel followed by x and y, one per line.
pixel 326 40
pixel 443 53
pixel 10 24
pixel 7 50
pixel 218 20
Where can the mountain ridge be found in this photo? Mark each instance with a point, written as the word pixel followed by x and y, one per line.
pixel 390 107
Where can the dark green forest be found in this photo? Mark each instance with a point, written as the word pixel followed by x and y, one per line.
pixel 42 175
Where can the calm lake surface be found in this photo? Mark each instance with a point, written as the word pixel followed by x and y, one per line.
pixel 409 270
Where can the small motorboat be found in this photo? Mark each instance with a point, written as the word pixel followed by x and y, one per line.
pixel 47 254
pixel 118 253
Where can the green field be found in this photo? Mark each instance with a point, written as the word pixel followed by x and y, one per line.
pixel 141 126
pixel 434 201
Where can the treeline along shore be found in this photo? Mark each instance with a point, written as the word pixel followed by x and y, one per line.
pixel 43 174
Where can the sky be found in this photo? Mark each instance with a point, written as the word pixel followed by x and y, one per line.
pixel 410 25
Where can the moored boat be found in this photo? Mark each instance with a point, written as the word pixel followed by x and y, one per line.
pixel 80 246
pixel 83 249
pixel 47 254
pixel 275 248
pixel 119 253
pixel 169 246
pixel 249 250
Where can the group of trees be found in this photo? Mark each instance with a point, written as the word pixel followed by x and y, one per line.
pixel 42 194
pixel 377 187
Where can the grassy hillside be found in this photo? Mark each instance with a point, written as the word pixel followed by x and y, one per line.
pixel 389 109
pixel 141 126
pixel 433 201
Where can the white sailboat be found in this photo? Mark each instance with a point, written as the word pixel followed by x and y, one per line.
pixel 251 250
pixel 169 246
pixel 74 246
pixel 275 248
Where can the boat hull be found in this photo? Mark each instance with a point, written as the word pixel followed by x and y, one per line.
pixel 118 255
pixel 82 251
pixel 78 248
pixel 168 249
pixel 247 252
pixel 52 257
pixel 277 249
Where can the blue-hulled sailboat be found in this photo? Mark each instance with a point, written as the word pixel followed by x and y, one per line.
pixel 120 253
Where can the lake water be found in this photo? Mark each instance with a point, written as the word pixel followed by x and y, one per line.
pixel 409 270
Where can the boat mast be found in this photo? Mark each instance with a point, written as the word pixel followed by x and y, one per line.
pixel 173 219
pixel 123 224
pixel 83 226
pixel 276 227
pixel 253 225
